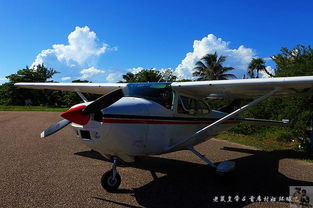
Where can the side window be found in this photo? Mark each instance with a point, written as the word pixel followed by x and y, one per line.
pixel 187 105
pixel 191 106
pixel 166 99
pixel 204 108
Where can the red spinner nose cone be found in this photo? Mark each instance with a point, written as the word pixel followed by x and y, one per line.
pixel 76 116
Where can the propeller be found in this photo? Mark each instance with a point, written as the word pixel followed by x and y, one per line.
pixel 55 128
pixel 81 114
pixel 103 102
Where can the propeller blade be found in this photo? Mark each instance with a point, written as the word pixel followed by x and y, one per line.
pixel 103 102
pixel 55 128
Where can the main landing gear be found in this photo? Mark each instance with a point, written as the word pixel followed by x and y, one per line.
pixel 111 180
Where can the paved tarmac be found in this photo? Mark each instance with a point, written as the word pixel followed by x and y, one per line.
pixel 60 171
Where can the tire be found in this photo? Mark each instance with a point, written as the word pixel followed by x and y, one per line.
pixel 108 184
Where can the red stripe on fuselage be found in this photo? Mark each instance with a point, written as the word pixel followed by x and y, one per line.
pixel 142 121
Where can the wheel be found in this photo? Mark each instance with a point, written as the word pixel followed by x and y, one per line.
pixel 110 184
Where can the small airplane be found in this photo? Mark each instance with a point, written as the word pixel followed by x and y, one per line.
pixel 141 119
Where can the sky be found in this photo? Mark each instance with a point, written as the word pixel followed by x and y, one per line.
pixel 102 40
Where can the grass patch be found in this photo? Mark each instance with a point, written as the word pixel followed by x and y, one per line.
pixel 268 144
pixel 30 108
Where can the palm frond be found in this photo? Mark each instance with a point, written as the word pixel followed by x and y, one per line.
pixel 200 64
pixel 210 68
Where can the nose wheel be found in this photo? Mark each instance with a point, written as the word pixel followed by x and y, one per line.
pixel 111 180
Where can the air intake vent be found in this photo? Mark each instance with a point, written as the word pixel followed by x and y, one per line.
pixel 85 134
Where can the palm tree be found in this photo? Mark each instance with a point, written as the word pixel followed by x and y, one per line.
pixel 257 64
pixel 210 68
pixel 145 75
pixel 129 77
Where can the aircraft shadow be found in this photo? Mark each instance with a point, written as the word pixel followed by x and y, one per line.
pixel 187 184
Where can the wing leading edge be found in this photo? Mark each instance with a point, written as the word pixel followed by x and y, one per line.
pixel 95 88
pixel 243 88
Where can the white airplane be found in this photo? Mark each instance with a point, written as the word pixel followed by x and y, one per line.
pixel 140 119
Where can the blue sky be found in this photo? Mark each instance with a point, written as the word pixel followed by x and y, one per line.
pixel 110 38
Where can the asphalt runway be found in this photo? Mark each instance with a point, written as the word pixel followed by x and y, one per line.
pixel 60 171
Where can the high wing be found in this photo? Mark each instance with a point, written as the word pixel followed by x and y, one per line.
pixel 236 88
pixel 95 88
pixel 242 88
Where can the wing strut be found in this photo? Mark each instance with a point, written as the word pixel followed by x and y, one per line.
pixel 221 169
pixel 202 157
pixel 81 96
pixel 219 121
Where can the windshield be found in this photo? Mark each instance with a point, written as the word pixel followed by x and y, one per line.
pixel 161 93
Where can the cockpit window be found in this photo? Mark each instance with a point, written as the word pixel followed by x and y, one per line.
pixel 203 108
pixel 187 105
pixel 161 93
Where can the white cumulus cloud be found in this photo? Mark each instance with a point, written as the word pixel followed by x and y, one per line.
pixel 83 49
pixel 238 58
pixel 114 77
pixel 270 70
pixel 78 57
pixel 66 78
pixel 90 72
pixel 118 75
pixel 135 70
pixel 3 80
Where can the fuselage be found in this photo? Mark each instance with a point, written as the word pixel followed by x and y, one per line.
pixel 147 123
